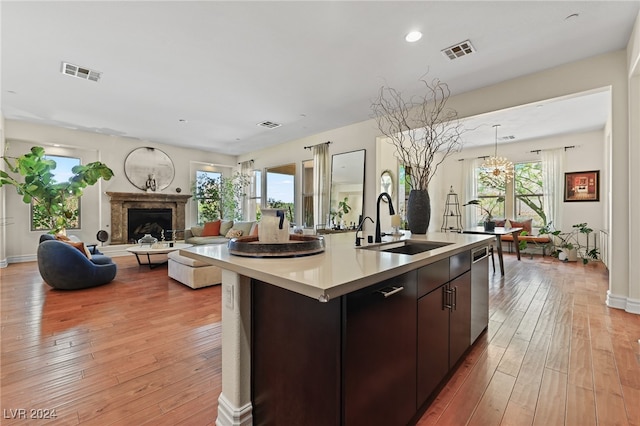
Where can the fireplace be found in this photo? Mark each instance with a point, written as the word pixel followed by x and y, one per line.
pixel 122 231
pixel 156 222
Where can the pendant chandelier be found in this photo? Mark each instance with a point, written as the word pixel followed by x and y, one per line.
pixel 498 167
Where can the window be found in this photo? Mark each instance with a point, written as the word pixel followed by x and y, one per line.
pixel 523 196
pixel 257 186
pixel 208 195
pixel 62 173
pixel 280 189
pixel 529 193
pixel 492 196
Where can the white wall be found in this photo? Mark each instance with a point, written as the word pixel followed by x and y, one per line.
pixel 587 155
pixel 95 210
pixel 3 207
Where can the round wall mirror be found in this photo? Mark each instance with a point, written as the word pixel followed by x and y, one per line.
pixel 149 169
pixel 386 183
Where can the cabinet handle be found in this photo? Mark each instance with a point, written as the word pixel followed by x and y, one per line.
pixel 455 297
pixel 390 291
pixel 446 300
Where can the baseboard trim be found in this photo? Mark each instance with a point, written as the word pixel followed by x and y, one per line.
pixel 622 302
pixel 229 415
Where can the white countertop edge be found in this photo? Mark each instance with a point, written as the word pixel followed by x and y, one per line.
pixel 339 250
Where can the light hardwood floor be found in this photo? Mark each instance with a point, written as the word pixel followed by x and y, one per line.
pixel 146 350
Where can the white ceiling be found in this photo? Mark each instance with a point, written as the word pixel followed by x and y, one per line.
pixel 311 66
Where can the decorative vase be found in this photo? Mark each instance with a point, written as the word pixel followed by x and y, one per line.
pixel 418 211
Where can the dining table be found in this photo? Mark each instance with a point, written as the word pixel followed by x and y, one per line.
pixel 498 231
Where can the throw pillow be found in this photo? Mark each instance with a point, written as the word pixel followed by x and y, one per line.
pixel 245 227
pixel 81 248
pixel 233 233
pixel 225 225
pixel 62 237
pixel 525 225
pixel 211 229
pixel 196 231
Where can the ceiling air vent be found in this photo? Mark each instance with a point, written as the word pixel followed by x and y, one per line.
pixel 80 72
pixel 458 50
pixel 507 138
pixel 269 124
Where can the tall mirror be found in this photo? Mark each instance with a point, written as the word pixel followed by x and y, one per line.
pixel 347 189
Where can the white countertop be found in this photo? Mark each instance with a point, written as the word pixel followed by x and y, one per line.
pixel 342 268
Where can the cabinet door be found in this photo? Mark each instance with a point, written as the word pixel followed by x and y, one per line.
pixel 380 353
pixel 433 342
pixel 460 320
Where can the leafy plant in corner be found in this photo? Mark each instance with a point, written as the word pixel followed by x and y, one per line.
pixel 220 198
pixel 39 186
pixel 569 241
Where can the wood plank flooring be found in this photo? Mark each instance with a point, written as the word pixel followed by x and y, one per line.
pixel 146 350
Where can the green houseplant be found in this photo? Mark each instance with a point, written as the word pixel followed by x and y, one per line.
pixel 567 247
pixel 343 208
pixel 39 186
pixel 487 209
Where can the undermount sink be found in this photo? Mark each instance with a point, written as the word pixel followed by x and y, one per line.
pixel 407 246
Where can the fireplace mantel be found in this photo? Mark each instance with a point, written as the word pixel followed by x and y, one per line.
pixel 121 202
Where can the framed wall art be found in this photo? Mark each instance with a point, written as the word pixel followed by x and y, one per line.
pixel 582 186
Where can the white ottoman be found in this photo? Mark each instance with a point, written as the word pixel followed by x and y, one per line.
pixel 191 272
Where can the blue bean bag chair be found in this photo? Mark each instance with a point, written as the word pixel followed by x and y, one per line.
pixel 64 267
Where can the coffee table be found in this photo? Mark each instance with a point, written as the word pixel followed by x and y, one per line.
pixel 149 250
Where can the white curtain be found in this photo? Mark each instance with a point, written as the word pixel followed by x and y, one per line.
pixel 249 201
pixel 321 183
pixel 553 185
pixel 470 192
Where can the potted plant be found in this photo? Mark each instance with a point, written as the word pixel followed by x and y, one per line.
pixel 39 186
pixel 567 246
pixel 487 209
pixel 424 133
pixel 343 208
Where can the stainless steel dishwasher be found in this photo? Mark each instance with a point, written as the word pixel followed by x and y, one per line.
pixel 479 291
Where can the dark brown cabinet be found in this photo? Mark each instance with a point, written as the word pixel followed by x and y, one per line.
pixel 444 320
pixel 380 348
pixel 371 357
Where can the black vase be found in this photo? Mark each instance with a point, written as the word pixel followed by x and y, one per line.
pixel 489 225
pixel 419 211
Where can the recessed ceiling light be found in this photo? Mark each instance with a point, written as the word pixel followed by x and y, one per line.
pixel 413 36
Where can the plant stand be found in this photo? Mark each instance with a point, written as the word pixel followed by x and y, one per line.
pixel 452 218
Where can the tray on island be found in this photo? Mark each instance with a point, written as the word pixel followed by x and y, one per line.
pixel 298 245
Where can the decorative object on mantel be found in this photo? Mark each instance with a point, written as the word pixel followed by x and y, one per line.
pixel 498 168
pixel 149 169
pixel 40 188
pixel 424 133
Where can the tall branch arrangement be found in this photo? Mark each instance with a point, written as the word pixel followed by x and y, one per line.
pixel 422 129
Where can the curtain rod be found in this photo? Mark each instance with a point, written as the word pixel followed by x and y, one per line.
pixel 311 146
pixel 251 161
pixel 537 151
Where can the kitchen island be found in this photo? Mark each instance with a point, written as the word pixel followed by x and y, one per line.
pixel 347 335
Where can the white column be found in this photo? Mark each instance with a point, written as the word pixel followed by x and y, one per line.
pixel 234 403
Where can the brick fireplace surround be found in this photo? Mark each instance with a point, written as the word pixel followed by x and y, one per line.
pixel 121 202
